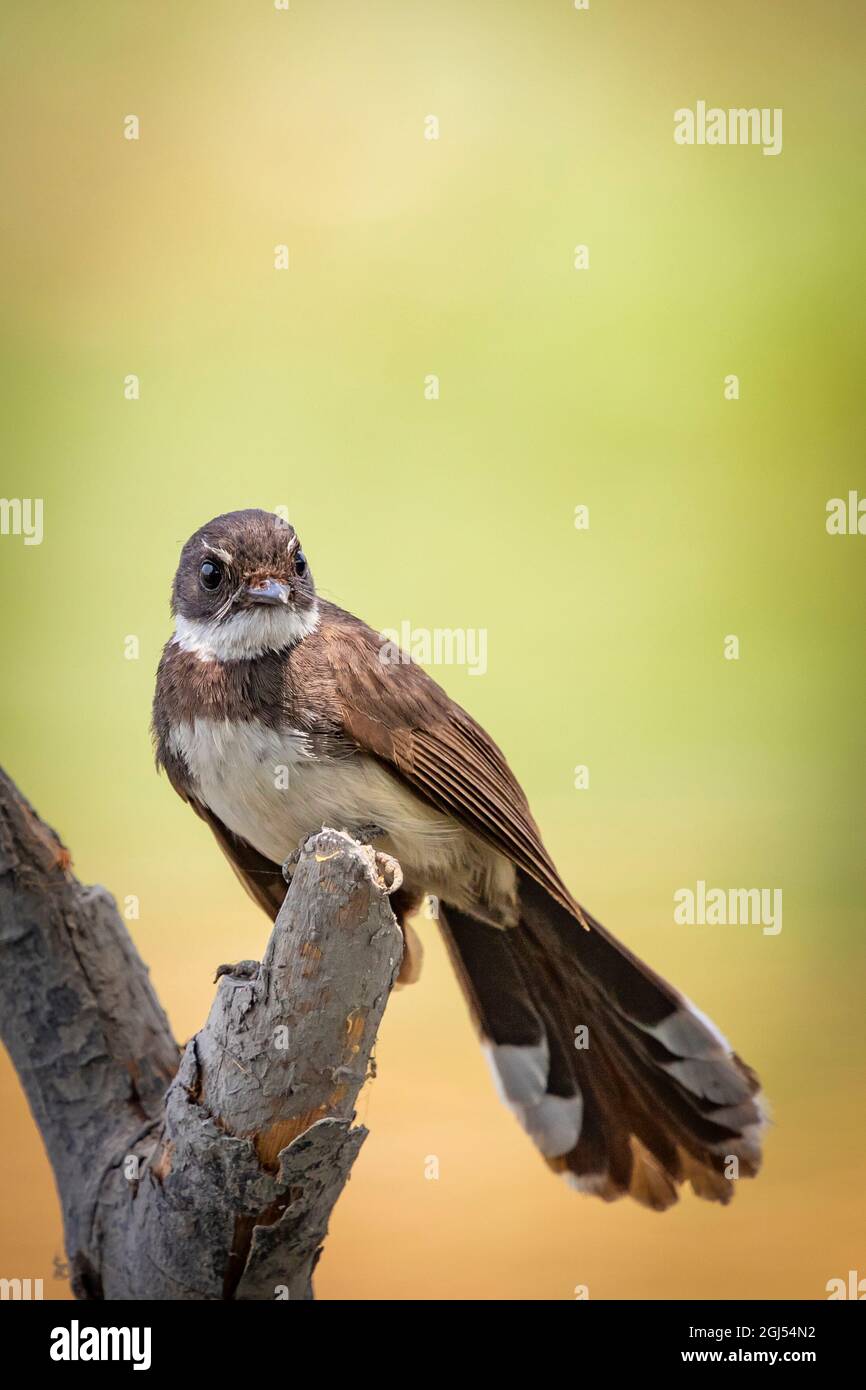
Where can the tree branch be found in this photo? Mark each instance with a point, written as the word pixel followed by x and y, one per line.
pixel 214 1179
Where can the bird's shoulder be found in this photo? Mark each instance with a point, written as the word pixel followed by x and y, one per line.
pixel 351 667
pixel 383 703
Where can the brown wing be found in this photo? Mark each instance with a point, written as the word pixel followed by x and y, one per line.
pixel 260 876
pixel 394 710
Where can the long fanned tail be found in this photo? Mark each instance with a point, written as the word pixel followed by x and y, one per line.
pixel 623 1085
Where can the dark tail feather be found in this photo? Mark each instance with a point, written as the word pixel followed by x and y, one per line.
pixel 623 1085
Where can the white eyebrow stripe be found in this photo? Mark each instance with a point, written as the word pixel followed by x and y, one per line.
pixel 293 544
pixel 218 551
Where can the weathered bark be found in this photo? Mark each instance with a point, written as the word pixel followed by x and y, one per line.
pixel 213 1178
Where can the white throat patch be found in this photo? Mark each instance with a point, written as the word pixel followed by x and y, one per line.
pixel 245 635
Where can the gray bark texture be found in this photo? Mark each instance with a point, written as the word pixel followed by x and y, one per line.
pixel 209 1173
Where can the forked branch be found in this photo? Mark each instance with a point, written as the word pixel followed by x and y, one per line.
pixel 209 1174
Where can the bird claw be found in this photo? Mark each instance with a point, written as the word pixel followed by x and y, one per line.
pixel 289 865
pixel 242 970
pixel 364 834
pixel 390 872
pixel 387 865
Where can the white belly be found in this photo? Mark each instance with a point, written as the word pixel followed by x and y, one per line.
pixel 267 787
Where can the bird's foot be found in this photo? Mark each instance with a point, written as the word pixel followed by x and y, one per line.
pixel 365 835
pixel 243 970
pixel 289 865
pixel 389 871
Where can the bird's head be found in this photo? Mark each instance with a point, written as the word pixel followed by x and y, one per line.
pixel 242 588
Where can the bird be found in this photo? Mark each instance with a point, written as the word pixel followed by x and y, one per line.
pixel 277 712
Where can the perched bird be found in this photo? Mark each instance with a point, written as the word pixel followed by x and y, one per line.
pixel 276 712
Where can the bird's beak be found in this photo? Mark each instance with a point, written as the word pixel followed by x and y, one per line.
pixel 270 591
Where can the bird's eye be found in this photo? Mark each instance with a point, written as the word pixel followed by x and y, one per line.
pixel 300 562
pixel 210 574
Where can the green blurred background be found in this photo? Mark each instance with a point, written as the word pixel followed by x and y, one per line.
pixel 603 387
